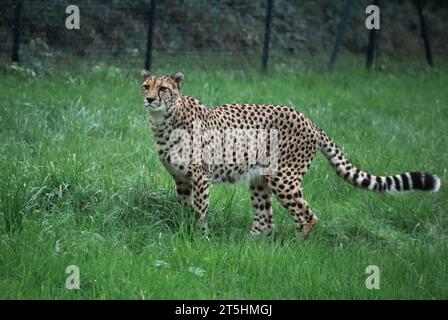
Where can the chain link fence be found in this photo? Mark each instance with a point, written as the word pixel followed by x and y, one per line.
pixel 229 33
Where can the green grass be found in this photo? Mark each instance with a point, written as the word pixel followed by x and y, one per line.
pixel 81 184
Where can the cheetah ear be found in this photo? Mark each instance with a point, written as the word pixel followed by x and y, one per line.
pixel 145 74
pixel 179 78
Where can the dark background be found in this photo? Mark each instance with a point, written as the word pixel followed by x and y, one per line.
pixel 215 30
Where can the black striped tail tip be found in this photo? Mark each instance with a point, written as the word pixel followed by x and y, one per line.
pixel 425 181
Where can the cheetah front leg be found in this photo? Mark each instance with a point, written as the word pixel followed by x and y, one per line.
pixel 261 196
pixel 184 190
pixel 200 200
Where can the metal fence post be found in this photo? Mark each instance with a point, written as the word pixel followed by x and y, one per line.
pixel 16 29
pixel 424 33
pixel 267 36
pixel 148 60
pixel 371 46
pixel 340 33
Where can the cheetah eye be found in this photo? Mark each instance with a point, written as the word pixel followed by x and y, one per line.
pixel 162 89
pixel 146 87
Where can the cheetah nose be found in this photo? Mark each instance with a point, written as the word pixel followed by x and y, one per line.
pixel 150 99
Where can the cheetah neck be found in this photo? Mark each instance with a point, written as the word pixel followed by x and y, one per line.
pixel 160 121
pixel 186 110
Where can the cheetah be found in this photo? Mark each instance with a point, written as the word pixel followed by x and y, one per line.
pixel 183 124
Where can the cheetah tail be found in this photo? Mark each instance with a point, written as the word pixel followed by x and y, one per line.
pixel 400 182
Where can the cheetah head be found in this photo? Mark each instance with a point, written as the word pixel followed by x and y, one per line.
pixel 161 93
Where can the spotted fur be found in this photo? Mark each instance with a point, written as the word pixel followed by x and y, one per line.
pixel 299 139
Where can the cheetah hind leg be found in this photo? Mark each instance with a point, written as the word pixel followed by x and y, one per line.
pixel 261 196
pixel 291 197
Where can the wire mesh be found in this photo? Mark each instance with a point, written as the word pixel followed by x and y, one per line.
pixel 229 32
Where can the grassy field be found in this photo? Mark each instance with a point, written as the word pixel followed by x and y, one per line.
pixel 81 185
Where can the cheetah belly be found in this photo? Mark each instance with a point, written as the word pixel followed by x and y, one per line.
pixel 234 173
